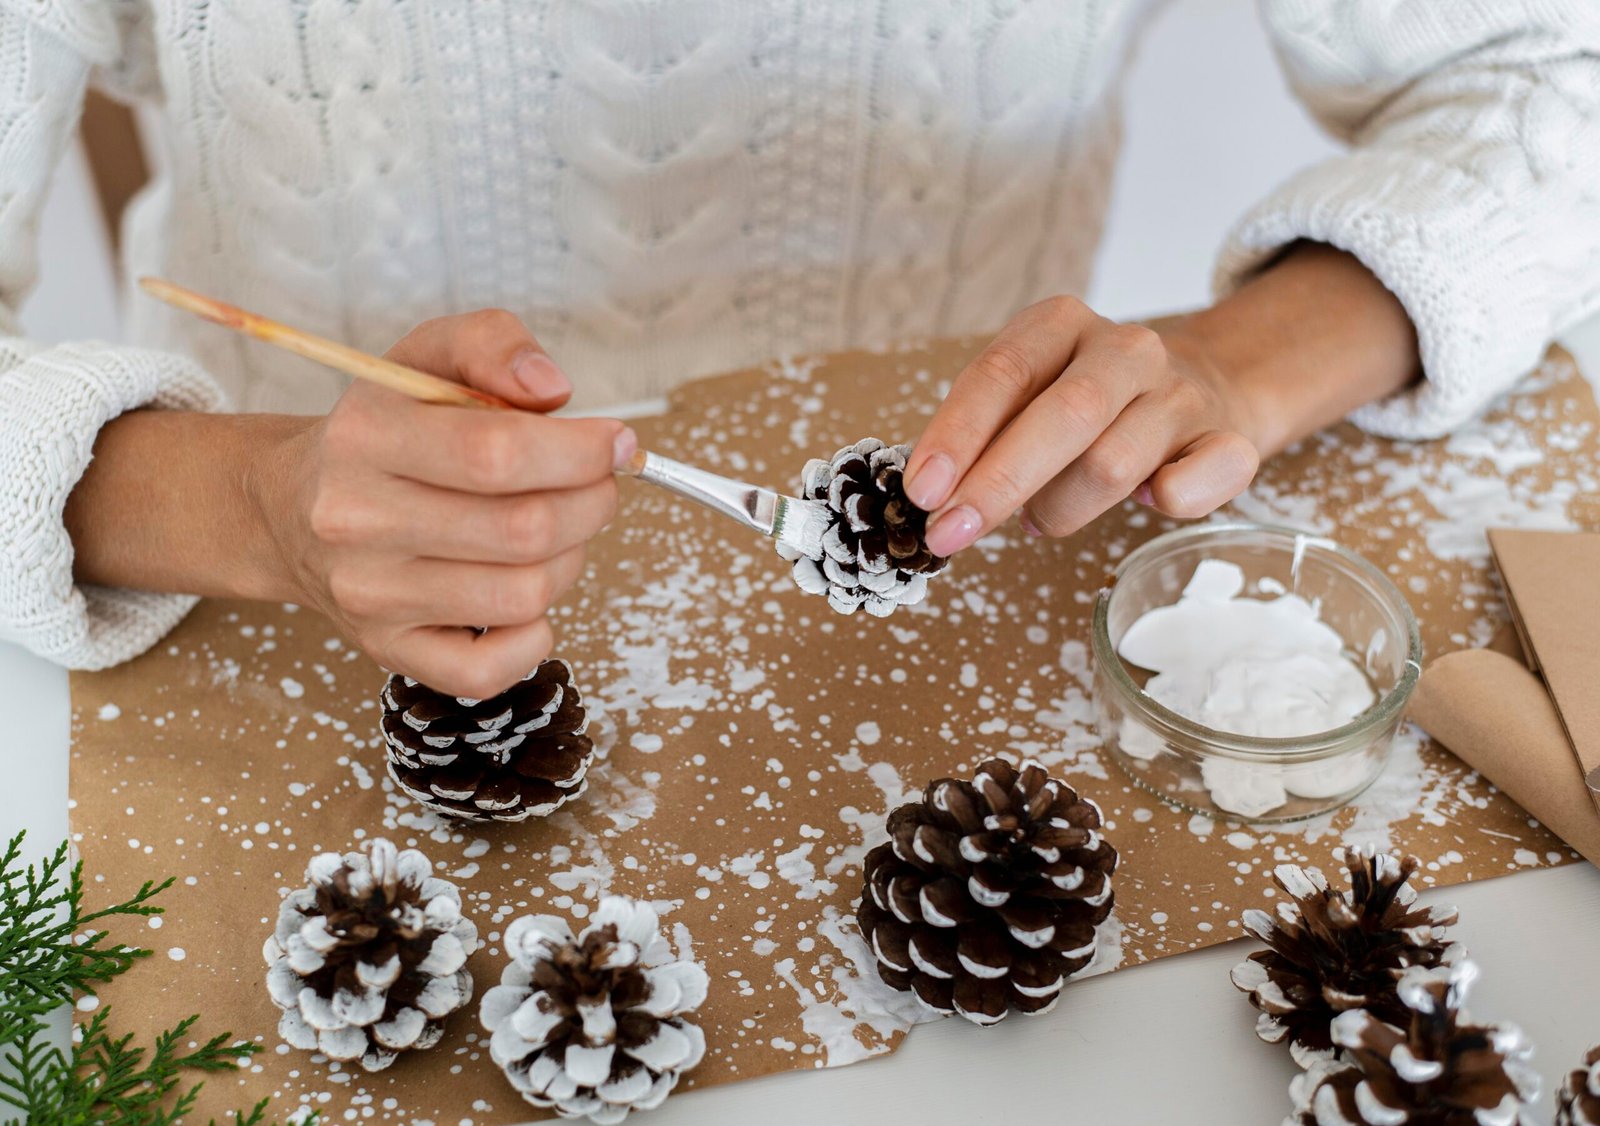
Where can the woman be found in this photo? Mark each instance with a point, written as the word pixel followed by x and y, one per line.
pixel 691 186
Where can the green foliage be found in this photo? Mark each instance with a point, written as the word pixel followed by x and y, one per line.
pixel 51 952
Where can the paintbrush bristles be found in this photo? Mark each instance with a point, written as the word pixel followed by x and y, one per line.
pixel 801 524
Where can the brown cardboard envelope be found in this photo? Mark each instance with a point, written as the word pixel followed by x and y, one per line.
pixel 1553 589
pixel 1536 739
pixel 1497 717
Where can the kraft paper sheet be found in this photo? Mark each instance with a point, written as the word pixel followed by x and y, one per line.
pixel 754 741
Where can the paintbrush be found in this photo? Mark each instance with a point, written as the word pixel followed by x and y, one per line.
pixel 795 524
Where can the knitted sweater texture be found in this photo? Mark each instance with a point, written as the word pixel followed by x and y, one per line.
pixel 672 187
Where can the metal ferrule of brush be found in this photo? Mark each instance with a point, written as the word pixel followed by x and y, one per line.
pixel 752 506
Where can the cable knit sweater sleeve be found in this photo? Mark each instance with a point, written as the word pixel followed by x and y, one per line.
pixel 1472 188
pixel 53 400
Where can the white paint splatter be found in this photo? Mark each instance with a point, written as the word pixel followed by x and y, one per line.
pixel 1404 789
pixel 795 867
pixel 859 1000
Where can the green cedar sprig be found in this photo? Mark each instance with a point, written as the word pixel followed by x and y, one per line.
pixel 51 952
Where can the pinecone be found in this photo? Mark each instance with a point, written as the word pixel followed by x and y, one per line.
pixel 1330 951
pixel 367 960
pixel 593 1025
pixel 1433 1068
pixel 1578 1102
pixel 874 554
pixel 989 893
pixel 522 754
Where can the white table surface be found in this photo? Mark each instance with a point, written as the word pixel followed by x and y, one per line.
pixel 1170 1041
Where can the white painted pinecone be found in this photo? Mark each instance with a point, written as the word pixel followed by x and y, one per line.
pixel 873 555
pixel 1436 1068
pixel 1578 1101
pixel 989 894
pixel 369 958
pixel 1331 950
pixel 524 753
pixel 592 1025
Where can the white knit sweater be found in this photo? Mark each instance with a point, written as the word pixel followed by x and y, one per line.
pixel 671 187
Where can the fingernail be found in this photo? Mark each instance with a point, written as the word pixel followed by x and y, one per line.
pixel 623 447
pixel 954 530
pixel 1143 495
pixel 930 486
pixel 540 376
pixel 1028 525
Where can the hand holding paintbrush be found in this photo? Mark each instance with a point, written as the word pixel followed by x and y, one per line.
pixel 405 524
pixel 794 523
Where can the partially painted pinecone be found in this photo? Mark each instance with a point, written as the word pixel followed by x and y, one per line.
pixel 522 754
pixel 1578 1102
pixel 593 1025
pixel 873 555
pixel 989 893
pixel 368 959
pixel 1332 951
pixel 1434 1068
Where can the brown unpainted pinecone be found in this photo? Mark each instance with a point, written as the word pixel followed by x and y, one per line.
pixel 522 754
pixel 368 959
pixel 989 893
pixel 1434 1068
pixel 1332 951
pixel 1578 1101
pixel 593 1025
pixel 874 555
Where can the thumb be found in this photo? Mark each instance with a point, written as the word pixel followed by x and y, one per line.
pixel 491 350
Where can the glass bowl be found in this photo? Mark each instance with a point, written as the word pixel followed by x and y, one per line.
pixel 1240 777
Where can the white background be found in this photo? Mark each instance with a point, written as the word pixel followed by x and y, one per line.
pixel 1210 128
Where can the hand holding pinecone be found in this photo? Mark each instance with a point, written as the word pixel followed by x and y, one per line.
pixel 522 754
pixel 593 1024
pixel 874 555
pixel 1578 1101
pixel 1332 951
pixel 990 893
pixel 368 959
pixel 1432 1068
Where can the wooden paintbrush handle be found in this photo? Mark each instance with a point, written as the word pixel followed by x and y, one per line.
pixel 341 357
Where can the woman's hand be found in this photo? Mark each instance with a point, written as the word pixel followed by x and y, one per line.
pixel 1066 414
pixel 409 524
